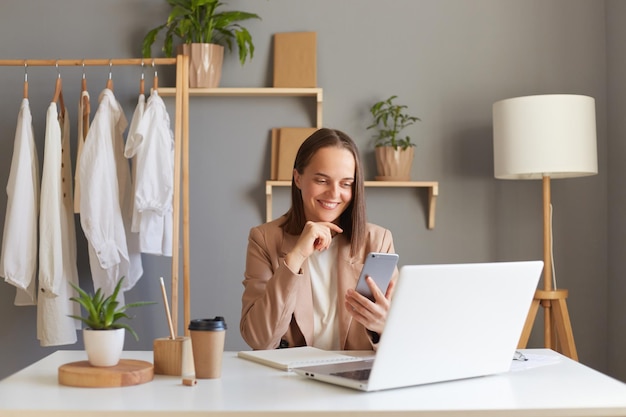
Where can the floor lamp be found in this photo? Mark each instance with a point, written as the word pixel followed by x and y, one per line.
pixel 544 137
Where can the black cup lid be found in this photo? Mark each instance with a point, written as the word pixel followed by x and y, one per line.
pixel 217 323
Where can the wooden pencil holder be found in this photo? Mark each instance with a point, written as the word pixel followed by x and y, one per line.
pixel 173 356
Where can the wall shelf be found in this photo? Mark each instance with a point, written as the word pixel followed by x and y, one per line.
pixel 254 92
pixel 433 192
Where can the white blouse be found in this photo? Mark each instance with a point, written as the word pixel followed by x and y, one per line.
pixel 322 266
pixel 18 259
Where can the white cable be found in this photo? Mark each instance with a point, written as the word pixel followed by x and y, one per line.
pixel 552 251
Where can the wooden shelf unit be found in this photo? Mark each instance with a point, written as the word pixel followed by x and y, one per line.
pixel 254 92
pixel 317 93
pixel 433 192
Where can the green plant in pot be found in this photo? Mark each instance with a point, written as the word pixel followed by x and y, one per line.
pixel 104 334
pixel 203 28
pixel 394 151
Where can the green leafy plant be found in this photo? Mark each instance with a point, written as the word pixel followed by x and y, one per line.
pixel 390 119
pixel 199 21
pixel 104 313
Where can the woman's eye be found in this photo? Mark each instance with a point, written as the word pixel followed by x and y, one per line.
pixel 347 185
pixel 320 181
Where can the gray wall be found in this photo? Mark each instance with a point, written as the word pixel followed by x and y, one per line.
pixel 448 60
pixel 616 100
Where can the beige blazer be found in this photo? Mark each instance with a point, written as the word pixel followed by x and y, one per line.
pixel 277 303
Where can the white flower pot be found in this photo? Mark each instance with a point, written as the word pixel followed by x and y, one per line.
pixel 104 347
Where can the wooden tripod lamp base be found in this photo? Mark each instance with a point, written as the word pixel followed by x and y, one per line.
pixel 556 317
pixel 538 137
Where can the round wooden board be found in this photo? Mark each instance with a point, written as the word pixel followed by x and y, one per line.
pixel 126 372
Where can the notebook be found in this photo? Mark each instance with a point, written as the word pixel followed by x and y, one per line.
pixel 445 322
pixel 287 359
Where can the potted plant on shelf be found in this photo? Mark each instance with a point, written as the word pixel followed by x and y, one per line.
pixel 204 31
pixel 104 334
pixel 394 153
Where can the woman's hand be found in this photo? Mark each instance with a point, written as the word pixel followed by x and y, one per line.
pixel 370 314
pixel 316 236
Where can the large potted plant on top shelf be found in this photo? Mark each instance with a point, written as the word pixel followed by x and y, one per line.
pixel 104 335
pixel 204 32
pixel 394 152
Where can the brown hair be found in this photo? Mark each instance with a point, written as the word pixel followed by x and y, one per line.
pixel 353 219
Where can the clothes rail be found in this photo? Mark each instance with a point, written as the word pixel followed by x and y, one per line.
pixel 86 62
pixel 181 149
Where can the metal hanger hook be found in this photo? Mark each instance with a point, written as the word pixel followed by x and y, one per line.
pixel 58 71
pixel 83 69
pixel 25 71
pixel 153 67
pixel 142 68
pixel 110 68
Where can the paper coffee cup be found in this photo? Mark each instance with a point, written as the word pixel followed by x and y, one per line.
pixel 207 343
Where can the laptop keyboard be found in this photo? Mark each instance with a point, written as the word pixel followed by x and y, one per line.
pixel 357 374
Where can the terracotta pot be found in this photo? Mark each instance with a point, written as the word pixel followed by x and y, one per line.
pixel 205 64
pixel 104 347
pixel 394 165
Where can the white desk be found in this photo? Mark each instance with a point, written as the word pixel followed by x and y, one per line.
pixel 565 388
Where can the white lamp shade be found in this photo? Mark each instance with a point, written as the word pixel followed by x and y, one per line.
pixel 545 135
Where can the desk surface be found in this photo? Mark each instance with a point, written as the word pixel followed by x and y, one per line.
pixel 561 387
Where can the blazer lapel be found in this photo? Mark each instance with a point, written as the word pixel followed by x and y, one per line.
pixel 348 270
pixel 303 312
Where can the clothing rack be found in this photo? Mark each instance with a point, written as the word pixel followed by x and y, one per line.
pixel 181 158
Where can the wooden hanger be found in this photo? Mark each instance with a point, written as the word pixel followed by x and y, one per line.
pixel 83 83
pixel 110 80
pixel 57 87
pixel 85 104
pixel 58 93
pixel 142 82
pixel 155 80
pixel 25 79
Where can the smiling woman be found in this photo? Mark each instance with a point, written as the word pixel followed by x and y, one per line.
pixel 301 269
pixel 326 184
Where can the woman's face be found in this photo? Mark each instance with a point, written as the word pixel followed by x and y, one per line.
pixel 326 184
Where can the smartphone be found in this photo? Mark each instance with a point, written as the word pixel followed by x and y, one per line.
pixel 379 266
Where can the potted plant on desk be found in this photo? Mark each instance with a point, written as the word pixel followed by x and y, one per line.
pixel 104 335
pixel 394 153
pixel 204 32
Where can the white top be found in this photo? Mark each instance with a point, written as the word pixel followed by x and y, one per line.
pixel 151 144
pixel 80 141
pixel 130 152
pixel 324 288
pixel 57 244
pixel 106 193
pixel 18 259
pixel 560 387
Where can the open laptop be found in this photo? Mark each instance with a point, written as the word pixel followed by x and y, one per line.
pixel 445 322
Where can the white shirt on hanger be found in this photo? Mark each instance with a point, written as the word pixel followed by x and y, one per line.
pixel 18 260
pixel 80 140
pixel 57 245
pixel 106 197
pixel 130 152
pixel 152 145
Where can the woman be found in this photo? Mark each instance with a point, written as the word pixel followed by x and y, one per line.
pixel 301 269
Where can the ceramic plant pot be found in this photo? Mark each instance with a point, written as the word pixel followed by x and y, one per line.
pixel 104 347
pixel 205 64
pixel 394 165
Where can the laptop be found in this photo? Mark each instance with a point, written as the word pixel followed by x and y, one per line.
pixel 445 322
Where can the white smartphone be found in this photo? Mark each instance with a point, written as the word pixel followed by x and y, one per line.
pixel 379 266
